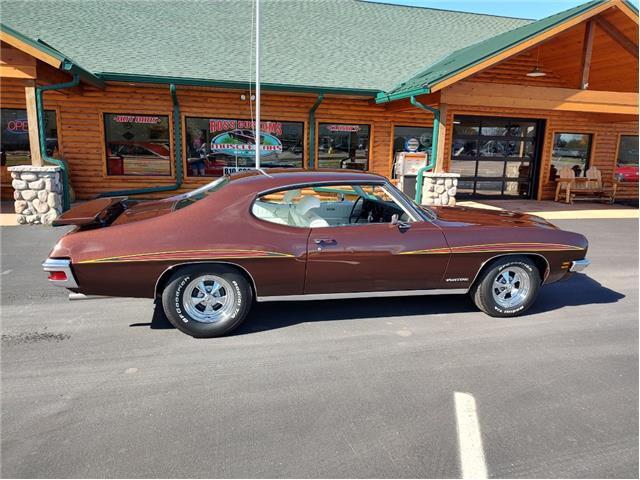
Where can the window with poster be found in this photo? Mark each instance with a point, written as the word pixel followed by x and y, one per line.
pixel 219 146
pixel 627 162
pixel 343 146
pixel 14 136
pixel 410 139
pixel 137 145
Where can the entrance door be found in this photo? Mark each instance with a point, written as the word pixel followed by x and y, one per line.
pixel 496 157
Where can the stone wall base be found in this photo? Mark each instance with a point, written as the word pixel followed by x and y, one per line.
pixel 440 188
pixel 37 193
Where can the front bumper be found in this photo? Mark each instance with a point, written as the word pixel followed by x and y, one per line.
pixel 579 265
pixel 60 273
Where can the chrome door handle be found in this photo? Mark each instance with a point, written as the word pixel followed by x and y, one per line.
pixel 325 241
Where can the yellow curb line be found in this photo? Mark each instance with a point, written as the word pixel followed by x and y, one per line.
pixel 569 214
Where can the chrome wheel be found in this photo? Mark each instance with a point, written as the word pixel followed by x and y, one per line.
pixel 511 287
pixel 209 299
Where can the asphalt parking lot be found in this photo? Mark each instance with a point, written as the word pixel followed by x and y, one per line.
pixel 362 388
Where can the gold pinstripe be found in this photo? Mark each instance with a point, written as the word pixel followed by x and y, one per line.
pixel 171 255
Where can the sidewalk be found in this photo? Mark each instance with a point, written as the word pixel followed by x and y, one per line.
pixel 558 211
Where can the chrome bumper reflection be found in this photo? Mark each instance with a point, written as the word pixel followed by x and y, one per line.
pixel 56 267
pixel 579 265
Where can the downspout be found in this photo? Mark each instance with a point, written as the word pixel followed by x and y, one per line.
pixel 64 174
pixel 312 131
pixel 434 146
pixel 177 147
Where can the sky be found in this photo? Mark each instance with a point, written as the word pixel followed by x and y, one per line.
pixel 534 9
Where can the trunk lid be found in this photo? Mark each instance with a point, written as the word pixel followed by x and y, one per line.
pixel 103 212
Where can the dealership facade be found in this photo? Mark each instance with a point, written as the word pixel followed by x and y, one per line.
pixel 149 102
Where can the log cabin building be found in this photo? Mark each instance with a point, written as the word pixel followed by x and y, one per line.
pixel 154 98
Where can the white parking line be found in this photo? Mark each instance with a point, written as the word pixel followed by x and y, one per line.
pixel 472 463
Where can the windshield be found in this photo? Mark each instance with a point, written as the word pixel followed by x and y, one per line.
pixel 201 192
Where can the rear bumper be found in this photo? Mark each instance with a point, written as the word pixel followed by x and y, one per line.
pixel 579 265
pixel 60 273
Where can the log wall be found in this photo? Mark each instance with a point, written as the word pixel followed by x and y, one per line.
pixel 604 146
pixel 81 129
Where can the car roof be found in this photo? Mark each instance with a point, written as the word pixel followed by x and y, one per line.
pixel 276 177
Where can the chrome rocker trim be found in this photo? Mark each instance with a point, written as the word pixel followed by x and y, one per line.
pixel 60 265
pixel 340 296
pixel 579 265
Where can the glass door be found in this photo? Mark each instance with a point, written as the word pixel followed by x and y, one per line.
pixel 495 156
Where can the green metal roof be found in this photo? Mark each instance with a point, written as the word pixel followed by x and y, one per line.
pixel 65 62
pixel 345 46
pixel 466 57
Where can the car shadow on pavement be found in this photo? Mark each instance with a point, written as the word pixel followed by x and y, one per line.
pixel 578 290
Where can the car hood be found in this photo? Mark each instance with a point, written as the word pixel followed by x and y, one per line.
pixel 482 217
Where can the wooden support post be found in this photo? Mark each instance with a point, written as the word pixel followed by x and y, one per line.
pixel 32 120
pixel 622 40
pixel 442 131
pixel 587 48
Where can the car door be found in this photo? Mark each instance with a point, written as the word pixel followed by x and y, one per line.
pixel 374 257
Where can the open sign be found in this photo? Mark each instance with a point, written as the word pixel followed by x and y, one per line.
pixel 18 126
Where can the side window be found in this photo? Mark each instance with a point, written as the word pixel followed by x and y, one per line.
pixel 329 206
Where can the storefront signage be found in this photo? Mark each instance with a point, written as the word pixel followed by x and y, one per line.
pixel 18 126
pixel 230 170
pixel 237 137
pixel 217 125
pixel 343 128
pixel 412 144
pixel 136 119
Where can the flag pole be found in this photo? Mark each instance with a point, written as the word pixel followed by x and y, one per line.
pixel 257 125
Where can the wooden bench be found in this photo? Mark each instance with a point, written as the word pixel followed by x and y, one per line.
pixel 589 188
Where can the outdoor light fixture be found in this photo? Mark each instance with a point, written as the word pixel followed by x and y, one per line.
pixel 536 72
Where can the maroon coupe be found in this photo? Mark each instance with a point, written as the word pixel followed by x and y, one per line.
pixel 300 235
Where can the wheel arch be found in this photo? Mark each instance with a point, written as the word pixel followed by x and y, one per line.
pixel 166 274
pixel 538 259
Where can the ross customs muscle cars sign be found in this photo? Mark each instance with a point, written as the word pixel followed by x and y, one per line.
pixel 237 137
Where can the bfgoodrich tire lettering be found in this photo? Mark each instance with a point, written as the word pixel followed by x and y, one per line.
pixel 507 287
pixel 206 301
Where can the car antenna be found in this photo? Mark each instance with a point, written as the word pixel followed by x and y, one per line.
pixel 263 172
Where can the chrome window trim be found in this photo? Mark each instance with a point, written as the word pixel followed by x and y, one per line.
pixel 347 295
pixel 60 265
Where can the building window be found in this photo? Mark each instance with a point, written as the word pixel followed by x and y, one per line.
pixel 570 150
pixel 343 146
pixel 15 136
pixel 137 144
pixel 217 146
pixel 627 162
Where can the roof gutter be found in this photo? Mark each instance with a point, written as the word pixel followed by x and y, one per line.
pixel 386 97
pixel 66 197
pixel 201 82
pixel 434 146
pixel 177 147
pixel 312 131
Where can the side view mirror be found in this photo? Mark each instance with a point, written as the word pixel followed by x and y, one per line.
pixel 402 226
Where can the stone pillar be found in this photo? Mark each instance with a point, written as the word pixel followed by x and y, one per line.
pixel 37 193
pixel 440 188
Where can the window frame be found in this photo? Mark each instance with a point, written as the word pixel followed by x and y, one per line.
pixel 319 123
pixel 412 211
pixel 185 144
pixel 619 143
pixel 592 143
pixel 105 151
